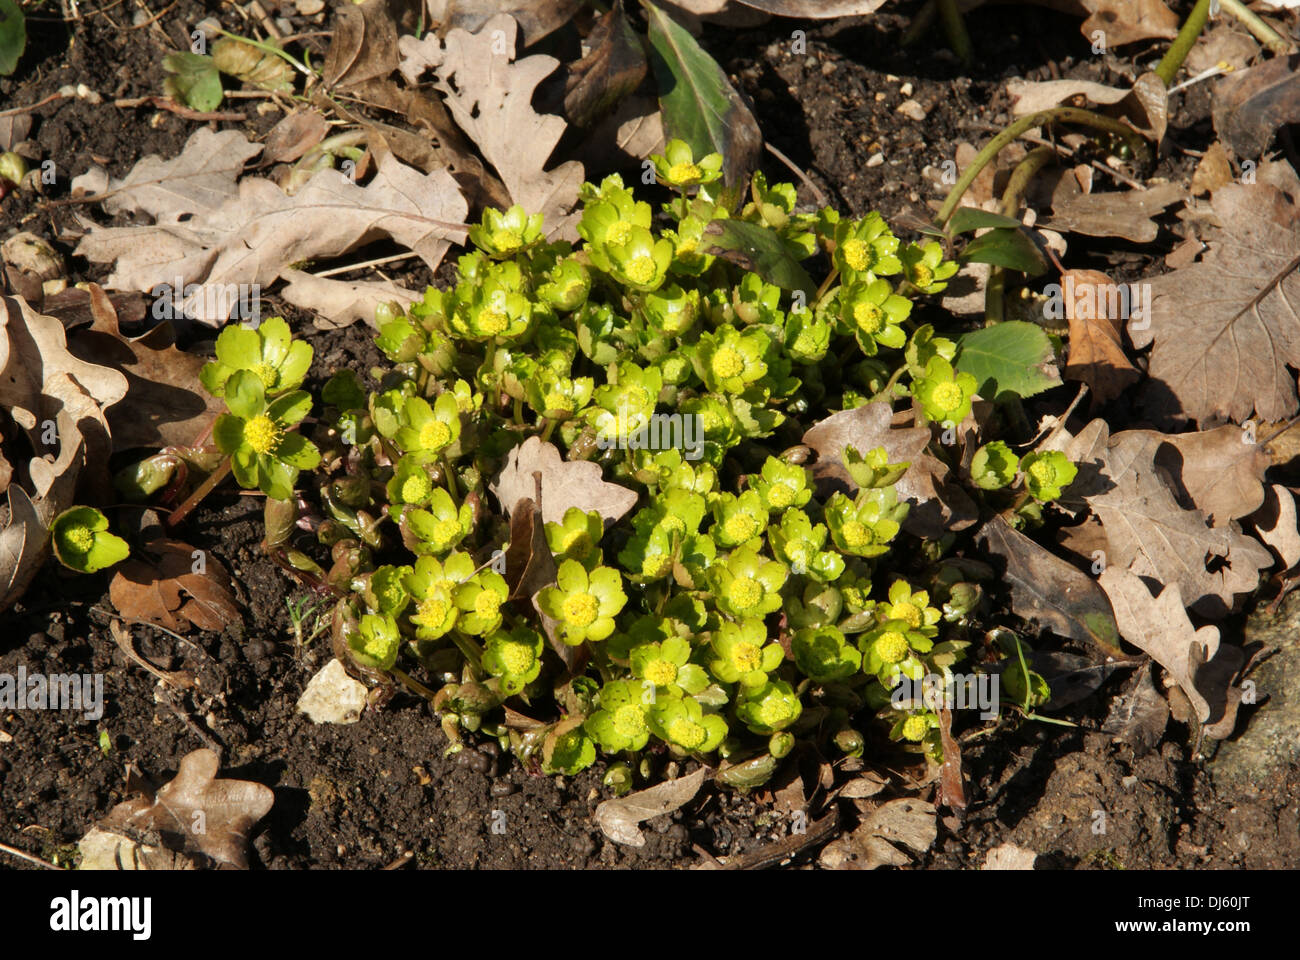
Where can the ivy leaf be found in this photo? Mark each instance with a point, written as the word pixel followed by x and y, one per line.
pixel 1013 357
pixel 699 103
pixel 193 79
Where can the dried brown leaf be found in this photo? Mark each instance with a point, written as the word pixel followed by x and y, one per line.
pixel 1126 214
pixel 294 135
pixel 1139 715
pixel 1277 525
pixel 1226 328
pixel 196 813
pixel 618 818
pixel 1097 355
pixel 24 540
pixel 1251 105
pixel 537 18
pixel 565 484
pixel 169 589
pixel 906 821
pixel 489 94
pixel 1220 472
pixel 338 303
pixel 614 68
pixel 364 45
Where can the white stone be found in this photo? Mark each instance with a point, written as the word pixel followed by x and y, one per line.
pixel 332 696
pixel 912 110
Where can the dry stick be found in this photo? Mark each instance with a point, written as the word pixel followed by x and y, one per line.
pixel 994 305
pixel 162 103
pixel 13 112
pixel 203 489
pixel 819 831
pixel 1262 31
pixel 5 848
pixel 817 194
pixel 994 146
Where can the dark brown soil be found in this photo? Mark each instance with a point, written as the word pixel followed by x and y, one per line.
pixel 362 796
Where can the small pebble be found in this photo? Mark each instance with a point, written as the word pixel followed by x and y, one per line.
pixel 876 160
pixel 474 760
pixel 503 788
pixel 309 8
pixel 828 68
pixel 905 90
pixel 912 110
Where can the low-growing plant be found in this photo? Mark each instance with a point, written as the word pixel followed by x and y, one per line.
pixel 746 604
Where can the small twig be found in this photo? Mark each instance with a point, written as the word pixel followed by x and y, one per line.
pixel 15 111
pixel 14 851
pixel 162 103
pixel 1066 151
pixel 155 18
pixel 335 271
pixel 401 861
pixel 775 852
pixel 178 679
pixel 1262 31
pixel 817 194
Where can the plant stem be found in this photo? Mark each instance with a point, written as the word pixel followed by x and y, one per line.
pixel 1182 45
pixel 1035 160
pixel 922 22
pixel 413 685
pixel 452 487
pixel 955 28
pixel 826 285
pixel 201 491
pixel 470 649
pixel 1262 31
pixel 1063 114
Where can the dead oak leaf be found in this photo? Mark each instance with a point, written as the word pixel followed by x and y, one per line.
pixel 904 821
pixel 1150 534
pixel 1226 328
pixel 1126 214
pixel 489 94
pixel 618 818
pixel 1250 105
pixel 1159 627
pixel 564 484
pixel 1097 355
pixel 1277 524
pixel 169 582
pixel 196 813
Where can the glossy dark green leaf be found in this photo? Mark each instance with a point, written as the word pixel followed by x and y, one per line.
pixel 760 250
pixel 1006 247
pixel 1012 357
pixel 967 219
pixel 13 36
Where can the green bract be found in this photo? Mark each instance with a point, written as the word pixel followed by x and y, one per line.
pixel 865 526
pixel 622 722
pixel 824 655
pixel 994 466
pixel 684 726
pixel 255 434
pixel 503 235
pixel 82 542
pixel 769 708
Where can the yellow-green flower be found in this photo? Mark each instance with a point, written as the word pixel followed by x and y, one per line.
pixel 912 607
pixel 994 466
pixel 501 235
pixel 1047 474
pixel 769 708
pixel 479 600
pixel 665 665
pixel 945 395
pixel 925 268
pixel 514 657
pixel 729 360
pixel 873 313
pixel 866 248
pixel 797 542
pixel 748 585
pixel 889 652
pixel 678 168
pixel 576 537
pixel 782 485
pixel 432 586
pixel 410 483
pixel 738 519
pixel 82 542
pixel 743 654
pixel 429 429
pixel 269 352
pixel 376 641
pixel 438 529
pixel 621 723
pixel 865 526
pixel 585 604
pixel 641 262
pixel 264 453
pixel 823 654
pixel 557 397
pixel 683 725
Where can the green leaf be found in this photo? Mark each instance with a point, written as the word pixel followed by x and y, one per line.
pixel 699 104
pixel 1012 357
pixel 1006 247
pixel 275 479
pixel 760 250
pixel 239 347
pixel 193 79
pixel 245 395
pixel 108 550
pixel 228 432
pixel 13 36
pixel 290 408
pixel 972 218
pixel 297 451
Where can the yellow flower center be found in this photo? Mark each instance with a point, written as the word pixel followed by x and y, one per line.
pixel 891 646
pixel 855 534
pixel 746 657
pixel 492 321
pixel 377 645
pixel 416 488
pixel 434 435
pixel 780 495
pixel 686 733
pixel 557 402
pixel 445 531
pixel 869 317
pixel 740 527
pixel 923 276
pixel 267 374
pixel 656 566
pixel 914 728
pixel 641 269
pixel 727 363
pixel 580 609
pixel 673 524
pixel 661 672
pixel 618 232
pixel 773 711
pixel 637 395
pixel 516 657
pixel 487 604
pixel 798 555
pixel 680 173
pixel 506 241
pixel 80 539
pixel 947 396
pixel 431 612
pixel 745 593
pixel 629 721
pixel 262 434
pixel 686 246
pixel 907 612
pixel 1043 471
pixel 857 254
